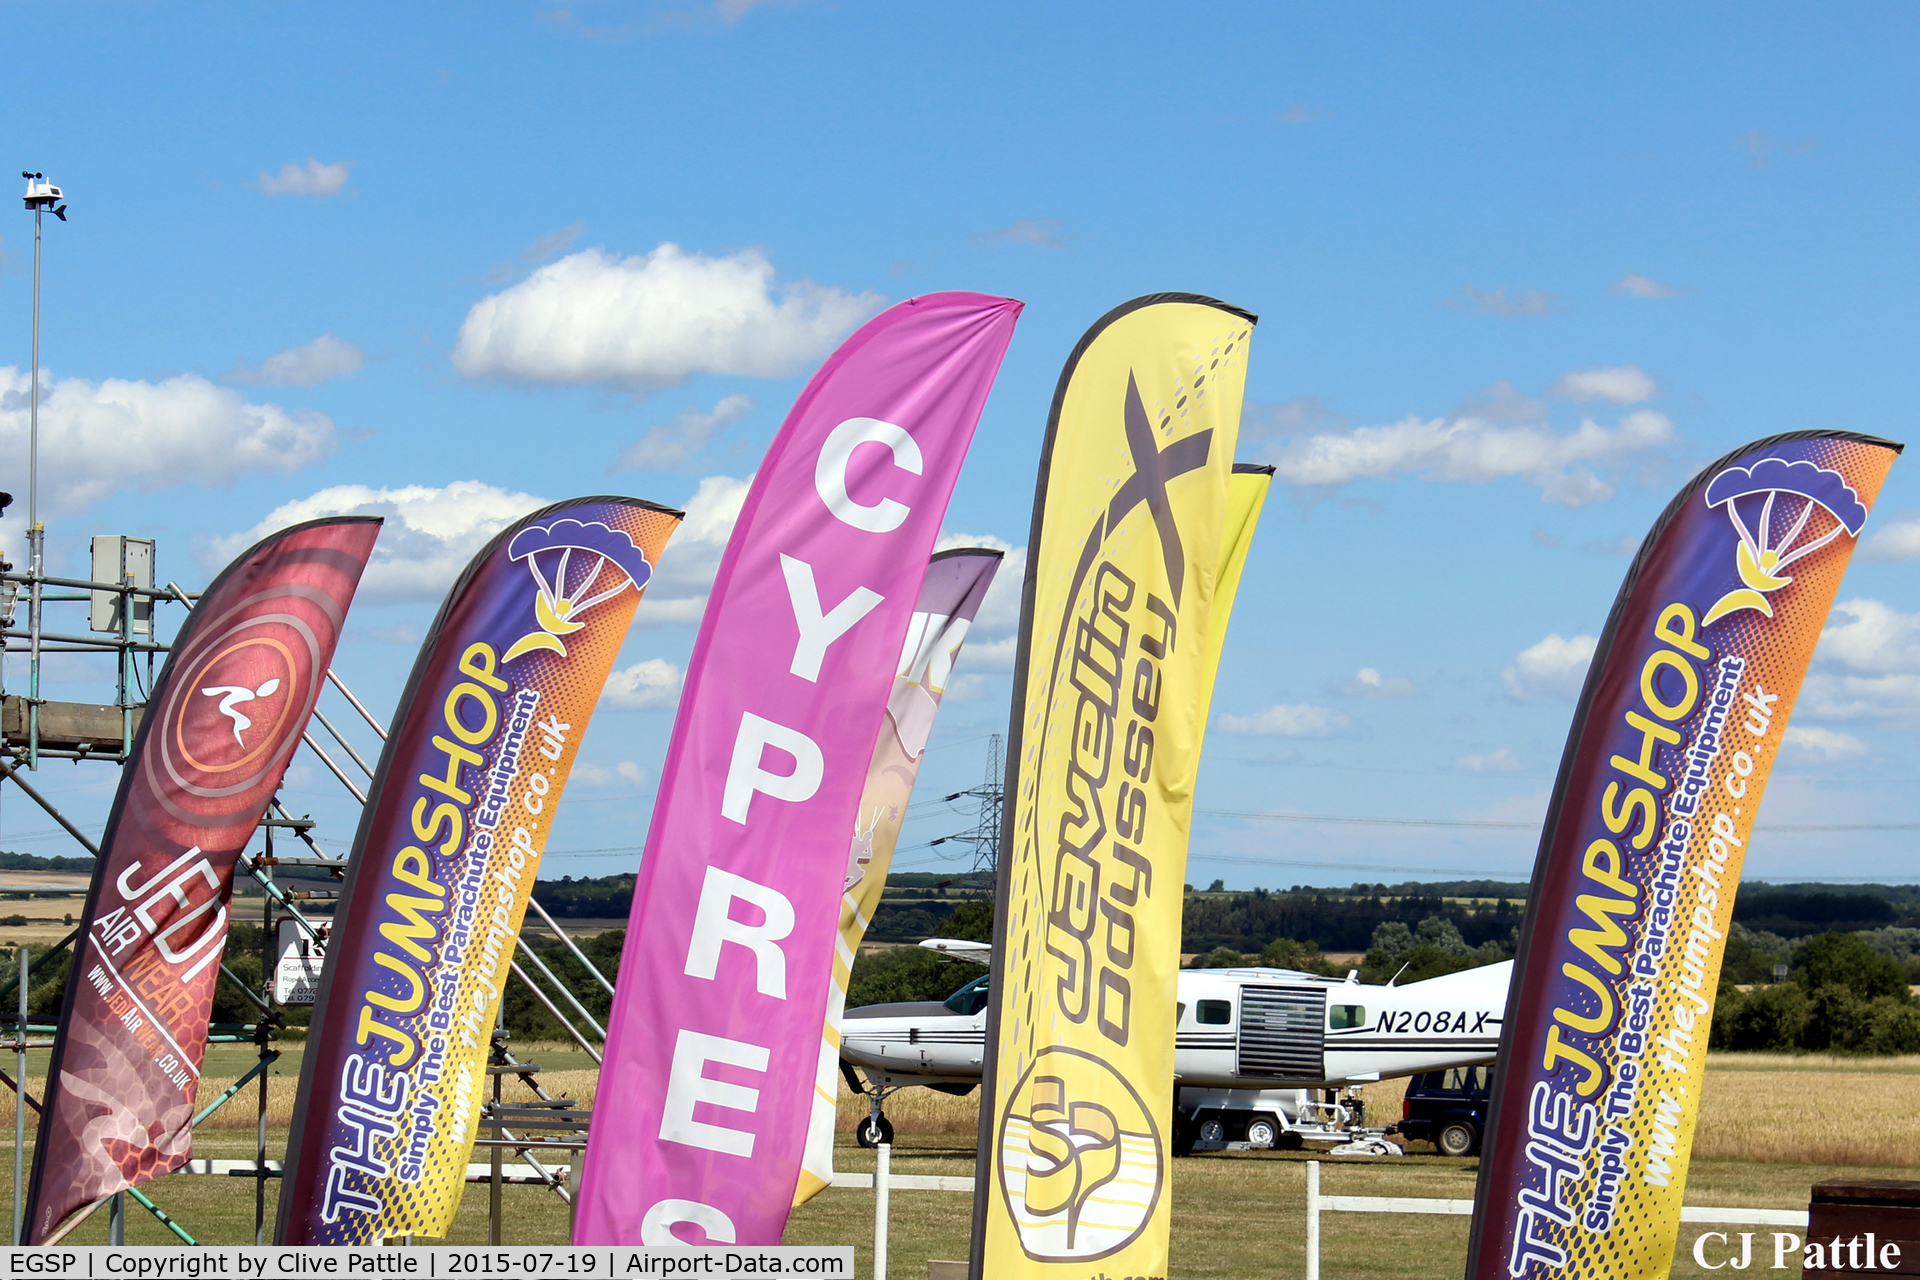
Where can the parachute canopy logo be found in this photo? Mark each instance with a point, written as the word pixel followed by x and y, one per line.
pixel 1823 495
pixel 241 700
pixel 565 587
pixel 1080 1178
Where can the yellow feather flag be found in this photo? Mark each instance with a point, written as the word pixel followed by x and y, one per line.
pixel 1117 655
pixel 1246 495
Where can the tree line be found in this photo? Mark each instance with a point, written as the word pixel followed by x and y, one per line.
pixel 1849 954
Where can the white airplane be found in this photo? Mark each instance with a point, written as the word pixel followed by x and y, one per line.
pixel 1250 1047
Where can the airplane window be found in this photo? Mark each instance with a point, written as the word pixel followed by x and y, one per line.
pixel 1344 1017
pixel 1213 1013
pixel 971 998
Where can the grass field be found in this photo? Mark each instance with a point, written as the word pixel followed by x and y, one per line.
pixel 1772 1125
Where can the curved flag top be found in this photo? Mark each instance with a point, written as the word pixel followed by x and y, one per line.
pixel 1246 497
pixel 1117 651
pixel 956 583
pixel 1604 1046
pixel 443 863
pixel 226 716
pixel 700 1125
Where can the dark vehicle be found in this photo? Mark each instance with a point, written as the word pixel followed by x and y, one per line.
pixel 1448 1109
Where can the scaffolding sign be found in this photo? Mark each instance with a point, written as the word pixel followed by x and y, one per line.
pixel 296 978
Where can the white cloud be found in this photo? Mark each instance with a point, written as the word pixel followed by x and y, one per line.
pixel 1623 545
pixel 1876 650
pixel 307 365
pixel 311 179
pixel 1301 113
pixel 594 775
pixel 678 590
pixel 428 538
pixel 988 655
pixel 97 438
pixel 1475 445
pixel 1832 697
pixel 652 685
pixel 966 687
pixel 1762 148
pixel 1501 761
pixel 545 249
pixel 1554 668
pixel 1825 746
pixel 650 321
pixel 1036 233
pixel 1501 303
pixel 1620 384
pixel 1369 683
pixel 1646 287
pixel 1288 721
pixel 1300 417
pixel 669 445
pixel 1898 539
pixel 1870 637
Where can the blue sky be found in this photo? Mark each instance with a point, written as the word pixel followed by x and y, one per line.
pixel 1520 271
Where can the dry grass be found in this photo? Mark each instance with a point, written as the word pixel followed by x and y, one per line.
pixel 915 1111
pixel 1776 1109
pixel 1757 1108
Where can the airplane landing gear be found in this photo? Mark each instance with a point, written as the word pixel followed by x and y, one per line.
pixel 876 1128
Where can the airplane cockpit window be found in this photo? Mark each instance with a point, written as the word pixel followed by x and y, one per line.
pixel 1213 1013
pixel 1346 1017
pixel 971 998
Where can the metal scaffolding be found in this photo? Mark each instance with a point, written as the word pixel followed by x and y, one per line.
pixel 33 729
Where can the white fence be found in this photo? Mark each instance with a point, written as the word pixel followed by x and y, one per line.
pixel 885 1181
pixel 1318 1204
pixel 509 1173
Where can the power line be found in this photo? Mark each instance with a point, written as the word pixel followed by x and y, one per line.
pixel 983 835
pixel 1370 822
pixel 1521 826
pixel 1455 872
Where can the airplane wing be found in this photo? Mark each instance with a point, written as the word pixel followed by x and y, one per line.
pixel 962 949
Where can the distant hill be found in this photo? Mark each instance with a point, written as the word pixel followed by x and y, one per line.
pixel 1339 919
pixel 34 862
pixel 592 898
pixel 1795 911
